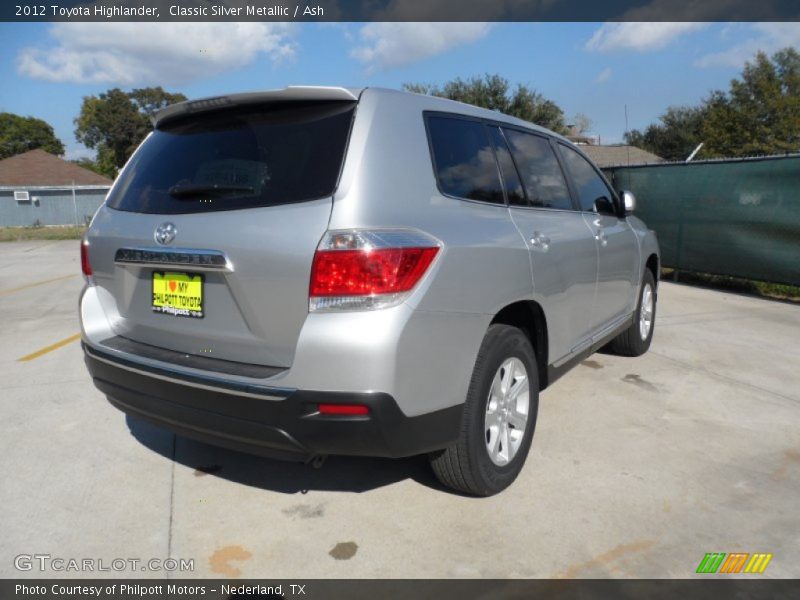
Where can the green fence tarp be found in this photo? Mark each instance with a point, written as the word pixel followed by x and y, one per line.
pixel 732 217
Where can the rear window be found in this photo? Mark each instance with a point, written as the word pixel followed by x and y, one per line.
pixel 464 160
pixel 237 159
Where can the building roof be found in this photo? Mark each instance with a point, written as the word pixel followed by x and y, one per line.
pixel 616 156
pixel 37 168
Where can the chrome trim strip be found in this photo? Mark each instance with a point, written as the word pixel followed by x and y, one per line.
pixel 228 387
pixel 593 340
pixel 575 351
pixel 195 259
pixel 609 328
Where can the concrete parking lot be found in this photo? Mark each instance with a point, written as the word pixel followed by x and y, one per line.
pixel 638 468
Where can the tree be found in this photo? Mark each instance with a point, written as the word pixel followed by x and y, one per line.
pixel 580 125
pixel 495 93
pixel 88 163
pixel 759 114
pixel 20 134
pixel 675 137
pixel 115 122
pixel 150 100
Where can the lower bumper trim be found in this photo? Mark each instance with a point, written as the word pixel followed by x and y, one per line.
pixel 287 428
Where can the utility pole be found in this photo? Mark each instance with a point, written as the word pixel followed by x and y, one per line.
pixel 627 146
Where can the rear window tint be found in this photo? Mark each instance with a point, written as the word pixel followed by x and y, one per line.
pixel 237 159
pixel 464 159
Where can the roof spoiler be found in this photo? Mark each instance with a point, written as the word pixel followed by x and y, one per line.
pixel 292 93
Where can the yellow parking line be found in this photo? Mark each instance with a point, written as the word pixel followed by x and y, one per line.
pixel 30 285
pixel 49 348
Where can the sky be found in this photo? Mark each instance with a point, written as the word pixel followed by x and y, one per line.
pixel 589 68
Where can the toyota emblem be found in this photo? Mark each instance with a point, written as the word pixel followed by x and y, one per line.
pixel 165 233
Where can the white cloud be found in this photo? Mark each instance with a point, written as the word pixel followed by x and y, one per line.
pixel 639 37
pixel 389 45
pixel 153 53
pixel 603 75
pixel 766 37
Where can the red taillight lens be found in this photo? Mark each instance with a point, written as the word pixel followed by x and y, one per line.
pixel 343 409
pixel 86 267
pixel 368 272
pixel 368 269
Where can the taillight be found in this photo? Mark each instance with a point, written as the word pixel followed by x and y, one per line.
pixel 359 270
pixel 86 267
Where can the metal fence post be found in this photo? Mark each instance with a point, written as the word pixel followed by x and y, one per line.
pixel 74 203
pixel 679 240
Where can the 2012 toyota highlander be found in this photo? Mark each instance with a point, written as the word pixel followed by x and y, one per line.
pixel 315 271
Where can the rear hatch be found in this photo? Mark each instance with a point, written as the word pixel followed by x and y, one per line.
pixel 206 241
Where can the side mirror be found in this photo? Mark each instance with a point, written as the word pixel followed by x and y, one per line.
pixel 628 202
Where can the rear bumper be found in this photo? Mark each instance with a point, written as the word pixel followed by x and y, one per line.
pixel 275 422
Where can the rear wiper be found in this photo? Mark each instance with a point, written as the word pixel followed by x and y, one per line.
pixel 194 190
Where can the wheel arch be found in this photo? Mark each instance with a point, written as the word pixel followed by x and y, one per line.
pixel 528 316
pixel 652 264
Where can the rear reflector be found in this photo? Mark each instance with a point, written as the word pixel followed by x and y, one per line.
pixel 343 409
pixel 360 270
pixel 86 267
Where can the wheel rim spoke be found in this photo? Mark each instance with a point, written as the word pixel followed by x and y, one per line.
pixel 518 386
pixel 496 392
pixel 494 440
pixel 518 420
pixel 505 450
pixel 508 376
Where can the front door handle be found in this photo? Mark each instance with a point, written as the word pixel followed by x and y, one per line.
pixel 540 241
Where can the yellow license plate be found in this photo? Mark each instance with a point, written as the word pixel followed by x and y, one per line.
pixel 179 294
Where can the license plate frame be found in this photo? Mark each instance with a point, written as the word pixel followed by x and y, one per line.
pixel 186 298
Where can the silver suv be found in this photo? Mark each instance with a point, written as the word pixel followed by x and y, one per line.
pixel 315 271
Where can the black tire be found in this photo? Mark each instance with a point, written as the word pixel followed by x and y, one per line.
pixel 630 341
pixel 467 466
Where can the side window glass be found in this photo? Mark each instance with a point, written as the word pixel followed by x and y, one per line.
pixel 464 159
pixel 538 166
pixel 514 191
pixel 593 194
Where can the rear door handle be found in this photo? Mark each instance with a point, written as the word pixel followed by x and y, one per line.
pixel 540 241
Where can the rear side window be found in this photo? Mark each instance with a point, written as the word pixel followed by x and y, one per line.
pixel 241 158
pixel 538 166
pixel 464 160
pixel 592 190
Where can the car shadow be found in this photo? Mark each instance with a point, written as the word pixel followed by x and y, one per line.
pixel 338 473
